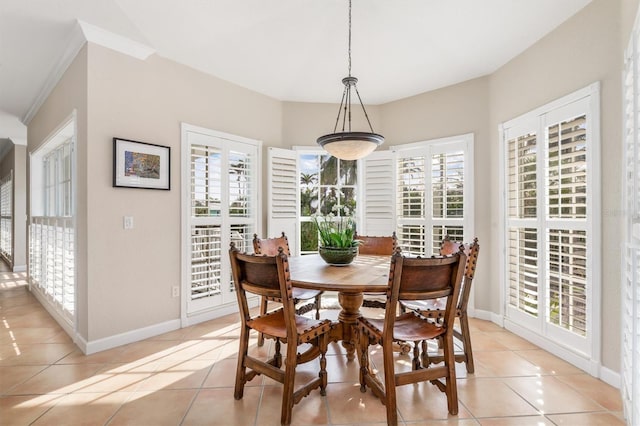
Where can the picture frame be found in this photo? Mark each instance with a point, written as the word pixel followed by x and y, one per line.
pixel 141 165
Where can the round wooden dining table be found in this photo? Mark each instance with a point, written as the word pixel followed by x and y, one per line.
pixel 367 274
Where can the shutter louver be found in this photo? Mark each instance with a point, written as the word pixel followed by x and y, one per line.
pixel 206 181
pixel 630 372
pixel 378 210
pixel 567 169
pixel 283 186
pixel 447 184
pixel 240 184
pixel 6 216
pixel 523 270
pixel 567 279
pixel 283 196
pixel 411 187
pixel 522 176
pixel 206 256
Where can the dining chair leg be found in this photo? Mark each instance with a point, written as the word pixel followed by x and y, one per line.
pixel 450 381
pixel 362 342
pixel 466 341
pixel 263 310
pixel 241 373
pixel 289 378
pixel 323 343
pixel 416 356
pixel 318 297
pixel 390 385
pixel 425 354
pixel 277 357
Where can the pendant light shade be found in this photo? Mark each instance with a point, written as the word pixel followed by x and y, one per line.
pixel 350 145
pixel 346 144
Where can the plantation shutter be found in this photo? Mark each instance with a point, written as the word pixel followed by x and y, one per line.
pixel 434 197
pixel 447 194
pixel 283 193
pixel 378 195
pixel 630 386
pixel 206 224
pixel 566 233
pixel 551 227
pixel 221 205
pixel 411 187
pixel 522 222
pixel 6 216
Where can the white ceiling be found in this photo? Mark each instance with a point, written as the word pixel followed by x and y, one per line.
pixel 288 49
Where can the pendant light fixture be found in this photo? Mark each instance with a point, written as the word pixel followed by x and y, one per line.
pixel 345 144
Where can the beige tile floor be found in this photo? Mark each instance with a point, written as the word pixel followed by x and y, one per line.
pixel 186 378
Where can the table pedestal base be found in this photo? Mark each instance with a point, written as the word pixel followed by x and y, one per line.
pixel 348 317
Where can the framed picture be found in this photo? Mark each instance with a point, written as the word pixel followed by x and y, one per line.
pixel 141 165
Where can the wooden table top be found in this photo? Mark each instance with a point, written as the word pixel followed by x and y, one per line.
pixel 367 273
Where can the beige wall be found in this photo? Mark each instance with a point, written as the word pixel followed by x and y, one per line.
pixel 583 50
pixel 70 94
pixel 131 272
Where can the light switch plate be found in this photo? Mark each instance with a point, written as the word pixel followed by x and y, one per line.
pixel 128 222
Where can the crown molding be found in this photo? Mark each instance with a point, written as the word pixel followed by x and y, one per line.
pixel 81 34
pixel 115 42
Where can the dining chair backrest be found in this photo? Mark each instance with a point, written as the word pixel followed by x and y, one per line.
pixel 269 246
pixel 261 275
pixel 377 245
pixel 416 278
pixel 471 250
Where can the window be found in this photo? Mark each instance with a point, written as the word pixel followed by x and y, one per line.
pixel 325 184
pixel 6 217
pixel 52 227
pixel 432 197
pixel 551 226
pixel 630 285
pixel 422 191
pixel 221 196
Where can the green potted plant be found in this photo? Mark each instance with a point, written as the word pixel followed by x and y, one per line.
pixel 336 244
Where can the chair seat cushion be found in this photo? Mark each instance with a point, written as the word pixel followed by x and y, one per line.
pixel 273 324
pixel 409 327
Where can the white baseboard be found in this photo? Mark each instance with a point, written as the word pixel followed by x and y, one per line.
pixel 20 268
pixel 611 377
pixel 99 345
pixel 487 316
pixel 217 312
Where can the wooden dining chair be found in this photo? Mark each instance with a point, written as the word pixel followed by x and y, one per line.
pixel 435 308
pixel 413 279
pixel 269 247
pixel 268 276
pixel 377 246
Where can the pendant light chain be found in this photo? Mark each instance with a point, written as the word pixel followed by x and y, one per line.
pixel 349 38
pixel 349 145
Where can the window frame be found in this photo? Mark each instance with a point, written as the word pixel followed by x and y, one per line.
pixel 630 248
pixel 6 217
pixel 209 308
pixel 62 228
pixel 588 355
pixel 429 148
